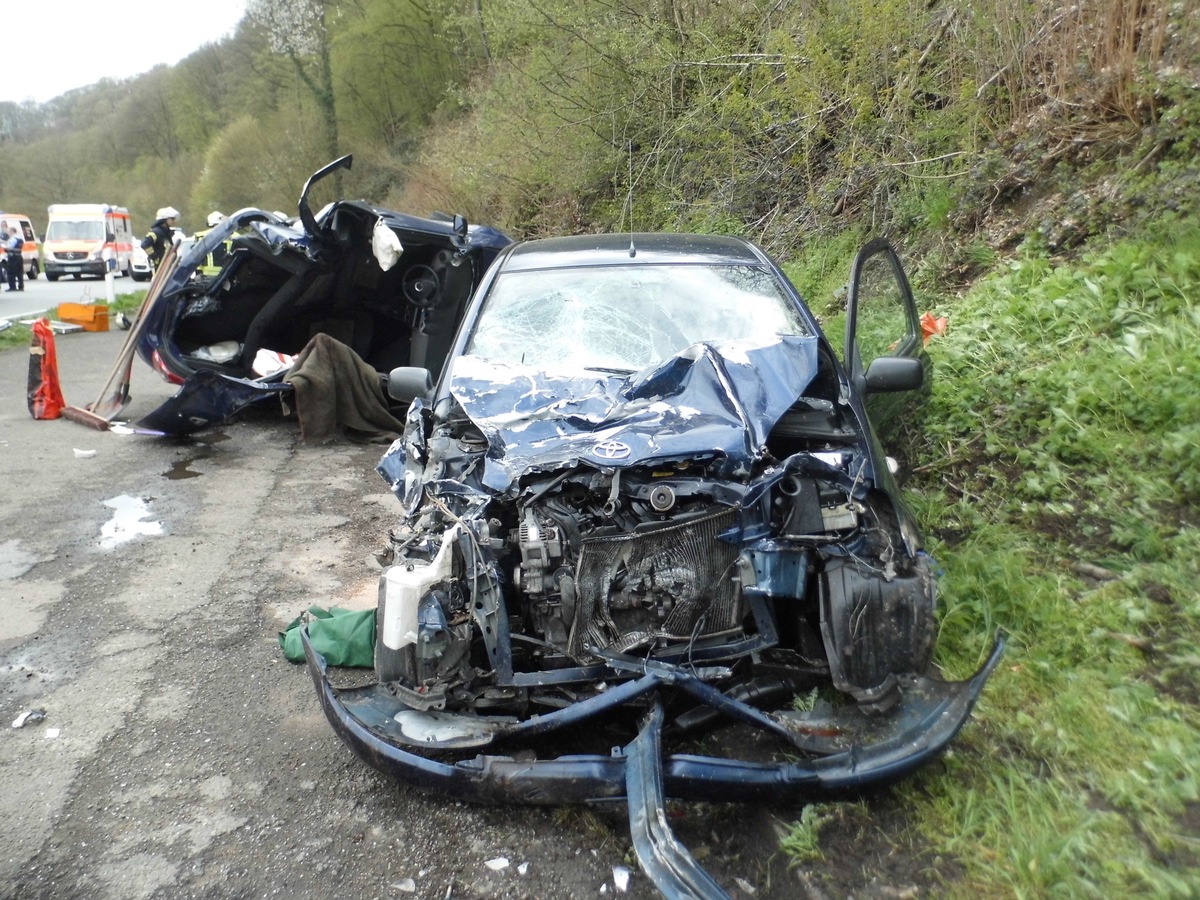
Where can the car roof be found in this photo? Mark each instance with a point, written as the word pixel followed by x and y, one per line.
pixel 647 248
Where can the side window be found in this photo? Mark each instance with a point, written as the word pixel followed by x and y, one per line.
pixel 884 326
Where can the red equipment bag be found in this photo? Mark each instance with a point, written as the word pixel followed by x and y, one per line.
pixel 45 394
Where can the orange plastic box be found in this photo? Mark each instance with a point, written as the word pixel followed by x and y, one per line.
pixel 92 317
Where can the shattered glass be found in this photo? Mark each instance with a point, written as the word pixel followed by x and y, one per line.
pixel 626 318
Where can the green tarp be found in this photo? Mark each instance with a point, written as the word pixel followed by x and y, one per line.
pixel 345 637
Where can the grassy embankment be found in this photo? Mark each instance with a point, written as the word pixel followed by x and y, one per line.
pixel 1058 479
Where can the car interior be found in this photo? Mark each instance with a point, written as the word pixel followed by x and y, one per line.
pixel 266 299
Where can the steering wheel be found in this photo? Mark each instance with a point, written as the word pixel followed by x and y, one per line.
pixel 421 286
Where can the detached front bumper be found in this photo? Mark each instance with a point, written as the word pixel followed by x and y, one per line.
pixel 928 717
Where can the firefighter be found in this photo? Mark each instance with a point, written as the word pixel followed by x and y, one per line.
pixel 161 234
pixel 213 262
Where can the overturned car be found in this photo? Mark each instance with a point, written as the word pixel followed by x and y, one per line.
pixel 226 320
pixel 642 504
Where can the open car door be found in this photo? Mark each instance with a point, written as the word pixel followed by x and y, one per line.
pixel 885 354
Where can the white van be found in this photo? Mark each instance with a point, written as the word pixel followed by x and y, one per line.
pixel 82 237
pixel 32 250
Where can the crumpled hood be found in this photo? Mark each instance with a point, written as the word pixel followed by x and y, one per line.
pixel 715 399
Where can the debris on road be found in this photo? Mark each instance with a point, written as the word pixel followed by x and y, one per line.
pixel 621 879
pixel 29 717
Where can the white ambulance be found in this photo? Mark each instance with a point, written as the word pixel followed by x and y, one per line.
pixel 78 236
pixel 31 252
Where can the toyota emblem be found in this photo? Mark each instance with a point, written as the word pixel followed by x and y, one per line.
pixel 611 450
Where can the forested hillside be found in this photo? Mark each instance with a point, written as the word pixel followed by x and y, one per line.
pixel 1038 164
pixel 962 126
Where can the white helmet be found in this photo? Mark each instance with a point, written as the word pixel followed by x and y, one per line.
pixel 215 217
pixel 167 212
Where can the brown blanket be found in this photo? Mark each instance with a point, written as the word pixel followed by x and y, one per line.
pixel 335 389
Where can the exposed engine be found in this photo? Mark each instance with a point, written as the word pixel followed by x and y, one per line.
pixel 588 564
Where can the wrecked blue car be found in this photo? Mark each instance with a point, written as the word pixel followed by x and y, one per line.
pixel 644 508
pixel 249 295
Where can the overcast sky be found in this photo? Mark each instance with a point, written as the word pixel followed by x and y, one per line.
pixel 73 43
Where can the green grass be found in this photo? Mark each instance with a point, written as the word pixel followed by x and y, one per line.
pixel 803 843
pixel 1064 429
pixel 20 335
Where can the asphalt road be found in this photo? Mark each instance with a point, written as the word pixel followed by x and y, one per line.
pixel 180 754
pixel 41 295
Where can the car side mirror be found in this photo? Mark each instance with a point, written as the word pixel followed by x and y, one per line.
pixel 892 374
pixel 407 383
pixel 459 238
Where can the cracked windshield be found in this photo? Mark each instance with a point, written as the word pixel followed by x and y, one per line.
pixel 622 319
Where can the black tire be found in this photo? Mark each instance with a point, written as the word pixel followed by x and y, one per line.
pixel 52 276
pixel 34 269
pixel 78 276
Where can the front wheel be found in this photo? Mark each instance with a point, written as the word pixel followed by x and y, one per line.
pixel 78 276
pixel 52 276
